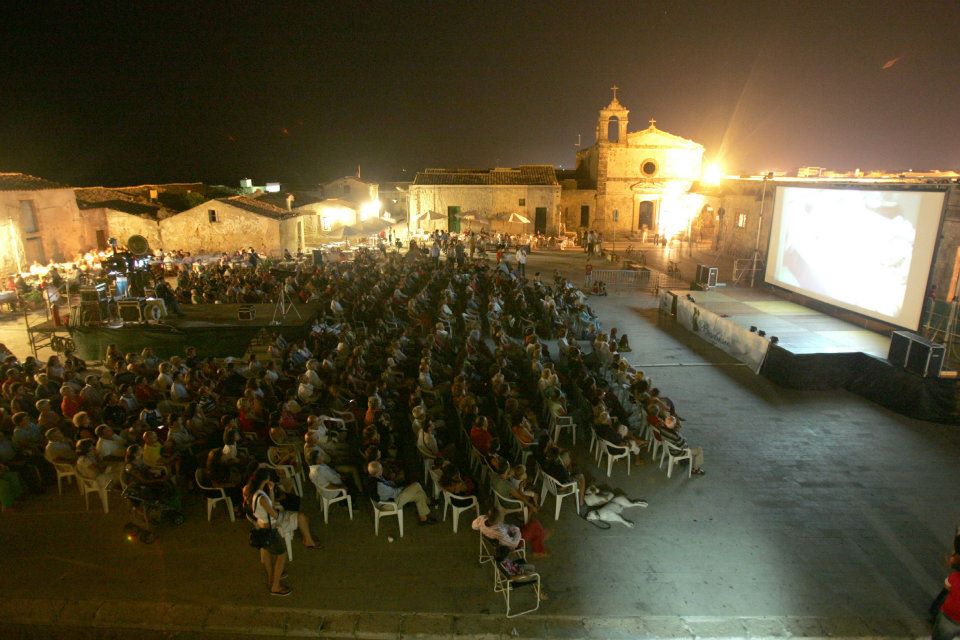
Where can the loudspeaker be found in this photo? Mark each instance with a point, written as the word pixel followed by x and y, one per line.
pixel 702 272
pixel 154 309
pixel 317 257
pixel 899 347
pixel 129 310
pixel 925 358
pixel 712 274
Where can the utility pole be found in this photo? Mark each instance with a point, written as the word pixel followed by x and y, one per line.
pixel 756 246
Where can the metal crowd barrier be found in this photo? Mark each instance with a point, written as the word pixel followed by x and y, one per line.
pixel 622 277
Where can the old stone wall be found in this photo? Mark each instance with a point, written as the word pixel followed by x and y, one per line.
pixel 571 200
pixel 487 200
pixel 122 225
pixel 60 232
pixel 234 229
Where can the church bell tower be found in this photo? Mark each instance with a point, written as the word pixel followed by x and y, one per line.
pixel 613 111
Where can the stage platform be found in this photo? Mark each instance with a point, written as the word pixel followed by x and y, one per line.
pixel 813 350
pixel 214 329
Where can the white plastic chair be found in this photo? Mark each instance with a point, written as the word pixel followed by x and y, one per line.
pixel 559 490
pixel 88 486
pixel 511 505
pixel 385 509
pixel 287 470
pixel 334 423
pixel 654 443
pixel 613 452
pixel 435 481
pixel 66 472
pixel 212 502
pixel 428 460
pixel 328 496
pixel 675 454
pixel 564 422
pixel 447 504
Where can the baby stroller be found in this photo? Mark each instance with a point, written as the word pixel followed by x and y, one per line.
pixel 151 508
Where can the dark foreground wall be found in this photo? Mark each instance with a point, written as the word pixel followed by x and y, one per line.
pixel 933 399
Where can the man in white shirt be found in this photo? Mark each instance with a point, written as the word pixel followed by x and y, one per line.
pixel 386 491
pixel 323 476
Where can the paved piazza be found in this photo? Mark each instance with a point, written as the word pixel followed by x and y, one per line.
pixel 821 514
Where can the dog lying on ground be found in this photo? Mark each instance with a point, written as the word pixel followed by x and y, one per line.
pixel 607 507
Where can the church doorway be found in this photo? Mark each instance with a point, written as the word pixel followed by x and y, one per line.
pixel 584 215
pixel 646 215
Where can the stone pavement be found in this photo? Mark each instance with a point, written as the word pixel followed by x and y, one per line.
pixel 821 515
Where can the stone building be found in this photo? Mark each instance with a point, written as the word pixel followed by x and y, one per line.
pixel 531 191
pixel 352 189
pixel 110 213
pixel 226 224
pixel 632 180
pixel 39 222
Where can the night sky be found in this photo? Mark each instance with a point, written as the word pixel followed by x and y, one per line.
pixel 134 93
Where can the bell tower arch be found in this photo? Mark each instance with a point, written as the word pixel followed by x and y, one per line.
pixel 613 113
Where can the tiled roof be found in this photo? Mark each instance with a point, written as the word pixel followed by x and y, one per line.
pixel 531 175
pixel 25 182
pixel 300 198
pixel 256 206
pixel 95 197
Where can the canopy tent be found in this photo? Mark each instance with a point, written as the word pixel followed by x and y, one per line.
pixel 374 226
pixel 471 220
pixel 432 220
pixel 514 223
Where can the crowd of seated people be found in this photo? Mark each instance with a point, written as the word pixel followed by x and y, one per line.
pixel 377 386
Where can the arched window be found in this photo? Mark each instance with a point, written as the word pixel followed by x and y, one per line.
pixel 613 129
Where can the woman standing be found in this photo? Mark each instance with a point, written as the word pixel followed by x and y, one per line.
pixel 259 495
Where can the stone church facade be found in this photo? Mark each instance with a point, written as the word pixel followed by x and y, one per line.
pixel 631 181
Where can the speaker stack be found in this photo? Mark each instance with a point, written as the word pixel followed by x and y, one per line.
pixel 915 353
pixel 706 277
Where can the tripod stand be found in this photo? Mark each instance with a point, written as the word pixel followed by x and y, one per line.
pixel 284 305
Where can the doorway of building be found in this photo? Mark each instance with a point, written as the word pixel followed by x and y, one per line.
pixel 453 219
pixel 33 251
pixel 646 215
pixel 299 235
pixel 584 215
pixel 101 240
pixel 540 221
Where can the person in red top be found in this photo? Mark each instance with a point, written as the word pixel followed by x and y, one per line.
pixel 947 625
pixel 480 435
pixel 71 403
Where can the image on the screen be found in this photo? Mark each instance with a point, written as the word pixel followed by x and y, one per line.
pixel 864 250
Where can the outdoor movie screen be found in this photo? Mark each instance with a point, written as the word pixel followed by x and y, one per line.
pixel 865 250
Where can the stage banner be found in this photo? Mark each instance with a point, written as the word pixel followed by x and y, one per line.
pixel 739 342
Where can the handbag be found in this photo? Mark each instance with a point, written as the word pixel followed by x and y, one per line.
pixel 264 538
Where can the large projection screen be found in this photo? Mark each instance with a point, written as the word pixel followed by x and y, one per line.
pixel 866 250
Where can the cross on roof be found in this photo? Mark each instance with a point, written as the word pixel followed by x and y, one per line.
pixel 653 123
pixel 614 88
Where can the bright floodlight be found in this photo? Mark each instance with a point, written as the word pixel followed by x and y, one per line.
pixel 370 209
pixel 713 174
